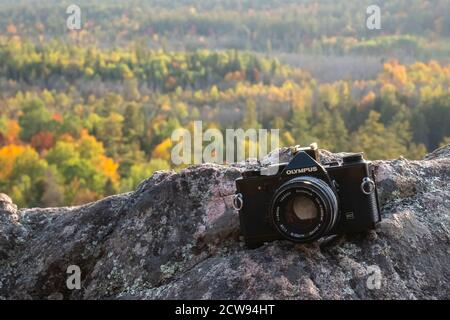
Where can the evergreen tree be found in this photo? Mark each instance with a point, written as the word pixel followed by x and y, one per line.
pixel 250 120
pixel 330 131
pixel 300 125
pixel 377 141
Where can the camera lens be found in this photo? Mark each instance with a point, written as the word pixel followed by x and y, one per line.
pixel 304 209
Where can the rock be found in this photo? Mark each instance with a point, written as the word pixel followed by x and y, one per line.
pixel 6 205
pixel 177 236
pixel 11 235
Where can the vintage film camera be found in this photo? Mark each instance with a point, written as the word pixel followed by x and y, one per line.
pixel 304 200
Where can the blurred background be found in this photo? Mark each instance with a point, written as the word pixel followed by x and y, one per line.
pixel 89 112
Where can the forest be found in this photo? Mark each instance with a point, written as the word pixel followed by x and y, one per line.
pixel 89 113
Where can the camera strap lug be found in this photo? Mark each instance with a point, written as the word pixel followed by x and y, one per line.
pixel 367 186
pixel 238 201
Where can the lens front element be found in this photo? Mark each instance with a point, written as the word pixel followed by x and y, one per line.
pixel 304 209
pixel 301 212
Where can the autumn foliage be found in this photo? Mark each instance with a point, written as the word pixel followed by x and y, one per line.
pixel 90 113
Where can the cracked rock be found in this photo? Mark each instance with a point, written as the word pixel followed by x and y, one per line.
pixel 177 236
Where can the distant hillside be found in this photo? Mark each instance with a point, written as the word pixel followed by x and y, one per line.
pixel 416 28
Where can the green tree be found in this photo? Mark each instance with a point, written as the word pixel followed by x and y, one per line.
pixel 141 171
pixel 133 123
pixel 330 131
pixel 27 178
pixel 400 128
pixel 376 140
pixel 250 120
pixel 35 118
pixel 300 124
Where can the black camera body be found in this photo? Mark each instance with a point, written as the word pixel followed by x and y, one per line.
pixel 305 200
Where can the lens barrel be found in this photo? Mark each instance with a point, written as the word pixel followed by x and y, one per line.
pixel 304 209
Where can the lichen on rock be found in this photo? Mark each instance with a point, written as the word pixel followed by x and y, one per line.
pixel 177 236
